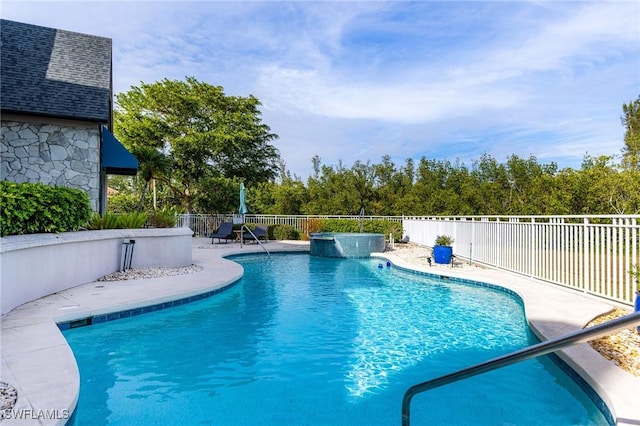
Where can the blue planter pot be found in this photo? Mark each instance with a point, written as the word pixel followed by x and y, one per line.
pixel 638 306
pixel 442 254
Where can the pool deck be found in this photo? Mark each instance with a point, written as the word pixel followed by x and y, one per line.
pixel 37 361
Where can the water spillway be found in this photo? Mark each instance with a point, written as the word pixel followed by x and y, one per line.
pixel 344 244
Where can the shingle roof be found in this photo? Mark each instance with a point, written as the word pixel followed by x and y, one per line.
pixel 55 73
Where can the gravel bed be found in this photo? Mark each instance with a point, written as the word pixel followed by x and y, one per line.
pixel 8 398
pixel 156 272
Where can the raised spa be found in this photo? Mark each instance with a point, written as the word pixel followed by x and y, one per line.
pixel 342 244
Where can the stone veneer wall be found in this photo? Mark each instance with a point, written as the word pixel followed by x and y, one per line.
pixel 52 154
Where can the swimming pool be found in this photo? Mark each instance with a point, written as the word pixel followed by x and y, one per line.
pixel 321 341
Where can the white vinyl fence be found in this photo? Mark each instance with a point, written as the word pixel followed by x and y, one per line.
pixel 593 254
pixel 204 224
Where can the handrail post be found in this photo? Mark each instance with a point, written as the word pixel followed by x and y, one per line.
pixel 534 351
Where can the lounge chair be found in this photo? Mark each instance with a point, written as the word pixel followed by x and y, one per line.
pixel 224 232
pixel 260 232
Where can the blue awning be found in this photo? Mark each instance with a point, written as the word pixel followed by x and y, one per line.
pixel 115 159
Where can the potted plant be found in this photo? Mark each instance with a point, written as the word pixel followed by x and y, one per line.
pixel 635 273
pixel 442 250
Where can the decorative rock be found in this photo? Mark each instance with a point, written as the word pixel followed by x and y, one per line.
pixel 623 348
pixel 8 398
pixel 137 274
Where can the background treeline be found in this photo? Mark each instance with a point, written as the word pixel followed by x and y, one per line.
pixel 519 186
pixel 196 145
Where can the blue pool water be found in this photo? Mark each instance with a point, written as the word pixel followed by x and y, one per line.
pixel 304 340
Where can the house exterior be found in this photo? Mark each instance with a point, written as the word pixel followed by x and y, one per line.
pixel 56 110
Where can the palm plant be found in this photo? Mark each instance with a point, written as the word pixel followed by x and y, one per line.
pixel 635 273
pixel 444 240
pixel 152 164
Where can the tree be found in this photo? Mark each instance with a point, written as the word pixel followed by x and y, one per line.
pixel 360 181
pixel 218 194
pixel 202 132
pixel 153 164
pixel 493 185
pixel 631 120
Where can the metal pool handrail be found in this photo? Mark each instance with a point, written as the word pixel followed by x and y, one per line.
pixel 254 237
pixel 534 351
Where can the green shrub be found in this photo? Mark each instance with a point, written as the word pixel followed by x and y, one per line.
pixel 165 218
pixel 443 240
pixel 107 221
pixel 117 221
pixel 132 220
pixel 311 225
pixel 30 208
pixel 384 227
pixel 635 273
pixel 285 232
pixel 122 203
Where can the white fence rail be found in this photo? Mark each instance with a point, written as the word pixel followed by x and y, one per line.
pixel 592 254
pixel 202 225
pixel 205 224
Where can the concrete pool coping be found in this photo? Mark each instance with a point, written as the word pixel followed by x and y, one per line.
pixel 37 361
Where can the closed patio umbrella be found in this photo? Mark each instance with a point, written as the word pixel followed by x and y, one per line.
pixel 242 209
pixel 243 200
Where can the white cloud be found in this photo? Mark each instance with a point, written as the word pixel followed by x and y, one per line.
pixel 357 80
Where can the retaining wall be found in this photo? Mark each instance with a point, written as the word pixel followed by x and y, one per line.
pixel 33 266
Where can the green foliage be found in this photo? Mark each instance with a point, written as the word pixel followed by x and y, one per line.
pixel 384 227
pixel 208 162
pixel 631 121
pixel 121 203
pixel 339 225
pixel 443 240
pixel 310 226
pixel 199 131
pixel 635 273
pixel 285 232
pixel 29 208
pixel 218 195
pixel 106 221
pixel 152 164
pixel 132 220
pixel 288 197
pixel 165 218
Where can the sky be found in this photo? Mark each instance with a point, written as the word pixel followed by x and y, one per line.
pixel 355 80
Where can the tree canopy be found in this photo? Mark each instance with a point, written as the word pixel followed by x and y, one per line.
pixel 189 133
pixel 631 121
pixel 200 144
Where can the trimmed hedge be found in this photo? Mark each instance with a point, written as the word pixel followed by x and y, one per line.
pixel 285 232
pixel 384 227
pixel 32 208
